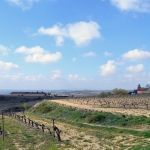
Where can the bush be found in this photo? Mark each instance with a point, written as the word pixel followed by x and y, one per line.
pixel 104 94
pixel 25 106
pixel 120 92
pixel 44 108
pixel 96 118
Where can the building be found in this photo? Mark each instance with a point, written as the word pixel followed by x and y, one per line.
pixel 29 94
pixel 143 90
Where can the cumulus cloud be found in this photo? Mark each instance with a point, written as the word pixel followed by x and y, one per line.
pixel 32 77
pixel 89 54
pixel 56 74
pixel 23 4
pixel 75 77
pixel 39 55
pixel 80 32
pixel 18 77
pixel 136 54
pixel 136 69
pixel 55 31
pixel 83 32
pixel 132 5
pixel 7 66
pixel 108 69
pixel 3 50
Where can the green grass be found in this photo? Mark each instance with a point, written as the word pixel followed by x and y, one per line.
pixel 20 136
pixel 111 123
pixel 101 132
pixel 111 126
pixel 103 118
pixel 140 147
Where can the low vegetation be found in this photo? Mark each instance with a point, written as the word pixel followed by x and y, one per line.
pixel 114 92
pixel 120 92
pixel 20 137
pixel 81 130
pixel 111 131
pixel 64 113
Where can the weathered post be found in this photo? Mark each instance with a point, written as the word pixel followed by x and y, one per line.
pixel 3 127
pixel 43 127
pixel 29 121
pixel 56 130
pixel 1 131
pixel 32 123
pixel 53 121
pixel 49 130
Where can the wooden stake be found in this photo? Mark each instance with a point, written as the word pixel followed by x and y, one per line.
pixel 3 127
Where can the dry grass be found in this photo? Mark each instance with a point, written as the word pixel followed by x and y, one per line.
pixel 134 112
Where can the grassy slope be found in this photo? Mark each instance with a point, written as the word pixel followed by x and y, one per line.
pixel 22 137
pixel 78 118
pixel 113 126
pixel 73 115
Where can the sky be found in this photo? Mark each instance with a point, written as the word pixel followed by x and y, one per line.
pixel 74 45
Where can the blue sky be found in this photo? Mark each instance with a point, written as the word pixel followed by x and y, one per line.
pixel 82 44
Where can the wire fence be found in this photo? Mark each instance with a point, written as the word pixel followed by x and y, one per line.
pixel 53 131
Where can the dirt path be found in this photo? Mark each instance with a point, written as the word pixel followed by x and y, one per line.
pixel 135 112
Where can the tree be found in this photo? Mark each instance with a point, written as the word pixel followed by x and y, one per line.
pixel 104 94
pixel 119 92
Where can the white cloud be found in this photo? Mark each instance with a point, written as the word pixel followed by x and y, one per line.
pixel 80 32
pixel 23 4
pixel 21 77
pixel 3 50
pixel 7 66
pixel 38 55
pixel 32 77
pixel 136 54
pixel 132 5
pixel 32 50
pixel 55 31
pixel 59 40
pixel 108 69
pixel 89 54
pixel 44 58
pixel 83 32
pixel 56 74
pixel 136 69
pixel 75 77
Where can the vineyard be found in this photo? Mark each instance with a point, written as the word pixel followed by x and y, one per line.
pixel 79 124
pixel 127 102
pixel 128 105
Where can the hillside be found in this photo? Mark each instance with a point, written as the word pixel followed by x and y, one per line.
pixel 80 130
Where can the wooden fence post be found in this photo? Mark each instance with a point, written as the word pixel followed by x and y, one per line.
pixel 3 126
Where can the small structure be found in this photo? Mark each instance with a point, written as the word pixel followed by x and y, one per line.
pixel 143 90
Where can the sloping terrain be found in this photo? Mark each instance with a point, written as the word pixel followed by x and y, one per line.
pixel 95 130
pixel 20 137
pixel 80 130
pixel 135 112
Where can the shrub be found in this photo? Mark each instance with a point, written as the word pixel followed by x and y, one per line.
pixel 120 92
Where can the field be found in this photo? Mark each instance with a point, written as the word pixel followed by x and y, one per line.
pixel 84 125
pixel 129 105
pixel 20 137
